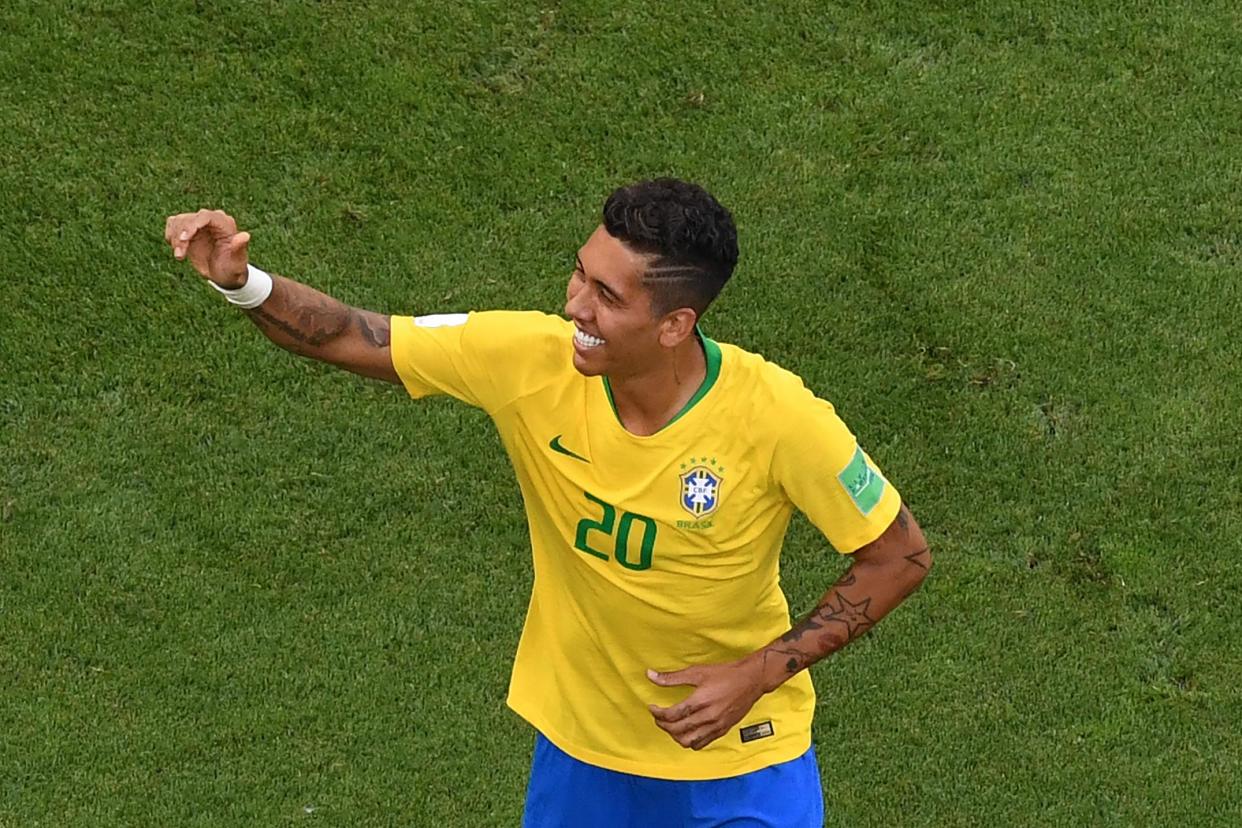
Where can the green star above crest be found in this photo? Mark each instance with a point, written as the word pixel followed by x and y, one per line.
pixel 701 460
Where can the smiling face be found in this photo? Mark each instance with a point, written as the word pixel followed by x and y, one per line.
pixel 618 335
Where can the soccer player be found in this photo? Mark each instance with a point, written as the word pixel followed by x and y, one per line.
pixel 659 470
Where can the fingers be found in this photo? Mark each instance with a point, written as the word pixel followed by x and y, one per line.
pixel 187 231
pixel 685 722
pixel 704 739
pixel 677 712
pixel 687 675
pixel 180 230
pixel 691 704
pixel 696 721
pixel 682 729
pixel 694 732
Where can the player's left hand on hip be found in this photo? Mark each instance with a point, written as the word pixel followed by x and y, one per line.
pixel 723 694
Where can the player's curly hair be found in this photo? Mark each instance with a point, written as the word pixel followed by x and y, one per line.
pixel 689 237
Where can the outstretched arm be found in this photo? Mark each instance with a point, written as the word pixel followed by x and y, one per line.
pixel 296 317
pixel 306 322
pixel 882 575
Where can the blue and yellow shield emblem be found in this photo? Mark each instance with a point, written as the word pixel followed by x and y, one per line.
pixel 700 491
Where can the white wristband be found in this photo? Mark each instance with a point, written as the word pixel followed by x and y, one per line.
pixel 252 294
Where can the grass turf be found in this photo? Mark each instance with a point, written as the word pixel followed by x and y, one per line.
pixel 1003 238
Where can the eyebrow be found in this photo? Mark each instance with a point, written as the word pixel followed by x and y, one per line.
pixel 607 287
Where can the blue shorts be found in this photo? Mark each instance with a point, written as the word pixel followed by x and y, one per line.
pixel 567 793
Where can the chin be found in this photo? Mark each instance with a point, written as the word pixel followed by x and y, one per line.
pixel 586 366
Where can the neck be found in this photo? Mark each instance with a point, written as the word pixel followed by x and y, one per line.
pixel 647 402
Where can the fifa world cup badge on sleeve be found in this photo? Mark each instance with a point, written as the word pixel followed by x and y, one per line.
pixel 701 481
pixel 862 481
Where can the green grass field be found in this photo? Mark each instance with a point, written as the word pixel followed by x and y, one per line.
pixel 1004 238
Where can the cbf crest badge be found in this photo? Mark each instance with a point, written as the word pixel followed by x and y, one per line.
pixel 700 486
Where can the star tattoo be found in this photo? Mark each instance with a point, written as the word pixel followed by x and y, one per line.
pixel 852 615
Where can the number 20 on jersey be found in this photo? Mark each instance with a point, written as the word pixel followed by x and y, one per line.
pixel 595 536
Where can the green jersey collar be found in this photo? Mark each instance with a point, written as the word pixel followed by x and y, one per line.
pixel 712 352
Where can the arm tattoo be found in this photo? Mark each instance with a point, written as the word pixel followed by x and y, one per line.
pixel 837 608
pixel 810 622
pixel 885 586
pixel 921 559
pixel 302 319
pixel 852 615
pixel 797 658
pixel 377 333
pixel 312 325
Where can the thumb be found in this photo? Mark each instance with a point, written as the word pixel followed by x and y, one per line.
pixel 227 261
pixel 239 247
pixel 673 678
pixel 228 266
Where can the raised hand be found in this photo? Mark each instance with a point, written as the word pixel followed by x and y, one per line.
pixel 210 240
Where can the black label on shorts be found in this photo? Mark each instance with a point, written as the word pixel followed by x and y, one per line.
pixel 756 731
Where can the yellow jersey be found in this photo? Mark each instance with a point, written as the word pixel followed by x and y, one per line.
pixel 656 552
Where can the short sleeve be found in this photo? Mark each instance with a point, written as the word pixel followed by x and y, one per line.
pixel 829 478
pixel 480 358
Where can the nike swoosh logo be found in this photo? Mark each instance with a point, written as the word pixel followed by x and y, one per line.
pixel 555 445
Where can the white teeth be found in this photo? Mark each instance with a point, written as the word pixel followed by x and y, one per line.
pixel 586 340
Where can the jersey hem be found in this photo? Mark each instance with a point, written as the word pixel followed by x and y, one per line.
pixel 675 773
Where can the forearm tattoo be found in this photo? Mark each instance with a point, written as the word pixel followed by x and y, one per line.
pixel 312 326
pixel 919 557
pixel 844 616
pixel 376 332
pixel 825 629
pixel 303 319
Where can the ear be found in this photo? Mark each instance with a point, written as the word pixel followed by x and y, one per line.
pixel 676 326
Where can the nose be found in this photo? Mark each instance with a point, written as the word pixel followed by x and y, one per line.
pixel 576 307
